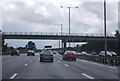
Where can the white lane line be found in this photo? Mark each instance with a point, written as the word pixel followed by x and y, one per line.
pixel 66 65
pixel 87 76
pixel 99 64
pixel 13 76
pixel 26 64
pixel 31 60
pixel 58 61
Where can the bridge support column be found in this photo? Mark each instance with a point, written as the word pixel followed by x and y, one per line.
pixel 64 45
pixel 3 42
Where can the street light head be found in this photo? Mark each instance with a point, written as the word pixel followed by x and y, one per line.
pixel 61 6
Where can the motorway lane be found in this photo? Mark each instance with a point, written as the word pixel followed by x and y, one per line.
pixel 48 70
pixel 98 71
pixel 14 64
pixel 29 67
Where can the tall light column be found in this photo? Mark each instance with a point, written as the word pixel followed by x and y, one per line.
pixel 69 8
pixel 105 27
pixel 61 34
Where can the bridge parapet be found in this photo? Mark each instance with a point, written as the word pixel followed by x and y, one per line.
pixel 57 34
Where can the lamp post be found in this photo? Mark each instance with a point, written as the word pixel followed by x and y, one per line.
pixel 105 27
pixel 60 27
pixel 61 34
pixel 69 8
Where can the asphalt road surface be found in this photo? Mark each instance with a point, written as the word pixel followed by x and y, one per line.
pixel 30 67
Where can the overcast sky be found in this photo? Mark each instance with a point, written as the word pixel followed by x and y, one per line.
pixel 41 15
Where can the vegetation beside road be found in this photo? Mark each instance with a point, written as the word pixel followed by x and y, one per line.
pixel 91 46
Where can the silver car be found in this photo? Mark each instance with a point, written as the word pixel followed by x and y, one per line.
pixel 31 52
pixel 113 54
pixel 83 53
pixel 46 55
pixel 102 53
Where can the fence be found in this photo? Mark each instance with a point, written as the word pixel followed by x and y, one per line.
pixel 112 61
pixel 59 34
pixel 5 53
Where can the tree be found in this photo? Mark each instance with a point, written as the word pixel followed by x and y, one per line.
pixel 31 45
pixel 117 34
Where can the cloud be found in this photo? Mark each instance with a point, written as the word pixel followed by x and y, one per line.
pixel 40 16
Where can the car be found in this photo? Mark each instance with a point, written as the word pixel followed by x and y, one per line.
pixel 15 52
pixel 31 52
pixel 83 53
pixel 70 55
pixel 54 52
pixel 61 52
pixel 88 54
pixel 78 53
pixel 93 53
pixel 113 53
pixel 102 53
pixel 46 55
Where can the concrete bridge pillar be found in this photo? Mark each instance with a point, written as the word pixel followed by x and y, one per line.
pixel 3 41
pixel 64 42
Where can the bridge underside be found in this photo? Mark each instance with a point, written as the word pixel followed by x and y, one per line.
pixel 46 37
pixel 64 39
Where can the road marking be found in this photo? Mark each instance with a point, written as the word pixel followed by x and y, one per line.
pixel 26 64
pixel 13 76
pixel 99 64
pixel 58 61
pixel 87 76
pixel 31 60
pixel 77 59
pixel 66 65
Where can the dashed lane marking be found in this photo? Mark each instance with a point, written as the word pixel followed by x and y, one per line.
pixel 66 65
pixel 13 76
pixel 26 64
pixel 87 76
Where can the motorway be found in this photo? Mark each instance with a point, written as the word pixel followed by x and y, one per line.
pixel 30 67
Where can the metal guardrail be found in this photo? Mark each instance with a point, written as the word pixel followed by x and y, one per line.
pixel 5 53
pixel 112 61
pixel 58 34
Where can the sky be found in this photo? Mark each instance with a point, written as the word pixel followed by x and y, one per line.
pixel 42 15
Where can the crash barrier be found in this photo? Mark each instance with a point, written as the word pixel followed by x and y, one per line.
pixel 5 53
pixel 112 61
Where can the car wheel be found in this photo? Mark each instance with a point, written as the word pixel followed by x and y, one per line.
pixel 40 60
pixel 27 54
pixel 75 59
pixel 12 55
pixel 63 59
pixel 52 60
